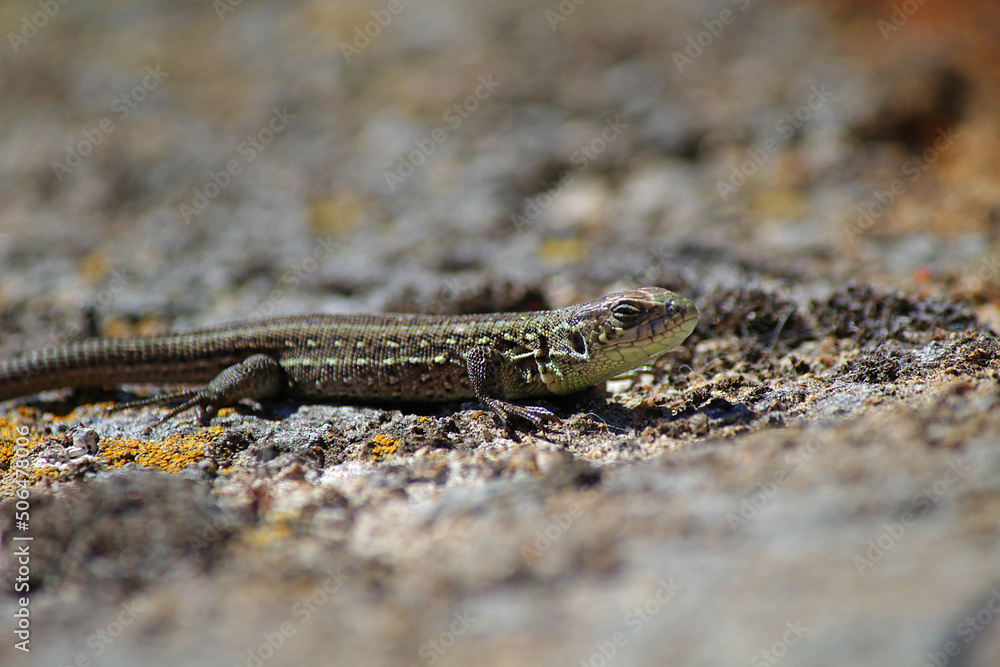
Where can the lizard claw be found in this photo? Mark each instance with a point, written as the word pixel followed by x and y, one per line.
pixel 536 416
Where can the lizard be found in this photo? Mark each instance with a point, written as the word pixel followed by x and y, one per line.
pixel 495 358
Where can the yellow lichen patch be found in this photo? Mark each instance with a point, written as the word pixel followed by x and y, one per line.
pixel 26 412
pixel 49 473
pixel 382 446
pixel 562 251
pixel 171 455
pixel 117 327
pixel 267 534
pixel 94 266
pixel 15 439
pixel 336 215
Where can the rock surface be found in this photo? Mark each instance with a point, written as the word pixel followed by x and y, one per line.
pixel 813 478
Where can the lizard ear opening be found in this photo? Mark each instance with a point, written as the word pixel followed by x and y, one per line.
pixel 579 344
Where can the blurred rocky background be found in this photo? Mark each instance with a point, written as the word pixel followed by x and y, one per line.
pixel 812 479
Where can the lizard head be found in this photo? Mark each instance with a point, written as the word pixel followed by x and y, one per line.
pixel 616 333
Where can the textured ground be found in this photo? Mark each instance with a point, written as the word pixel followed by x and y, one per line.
pixel 813 478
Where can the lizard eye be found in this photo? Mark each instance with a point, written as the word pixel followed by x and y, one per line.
pixel 626 313
pixel 579 345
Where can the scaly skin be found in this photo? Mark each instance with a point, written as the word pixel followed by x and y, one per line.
pixel 392 357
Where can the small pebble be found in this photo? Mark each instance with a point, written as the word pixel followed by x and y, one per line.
pixel 87 439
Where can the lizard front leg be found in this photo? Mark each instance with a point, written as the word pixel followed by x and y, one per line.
pixel 484 366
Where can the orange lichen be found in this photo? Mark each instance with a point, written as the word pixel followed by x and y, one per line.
pixel 267 534
pixel 171 455
pixel 15 439
pixel 43 473
pixel 382 446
